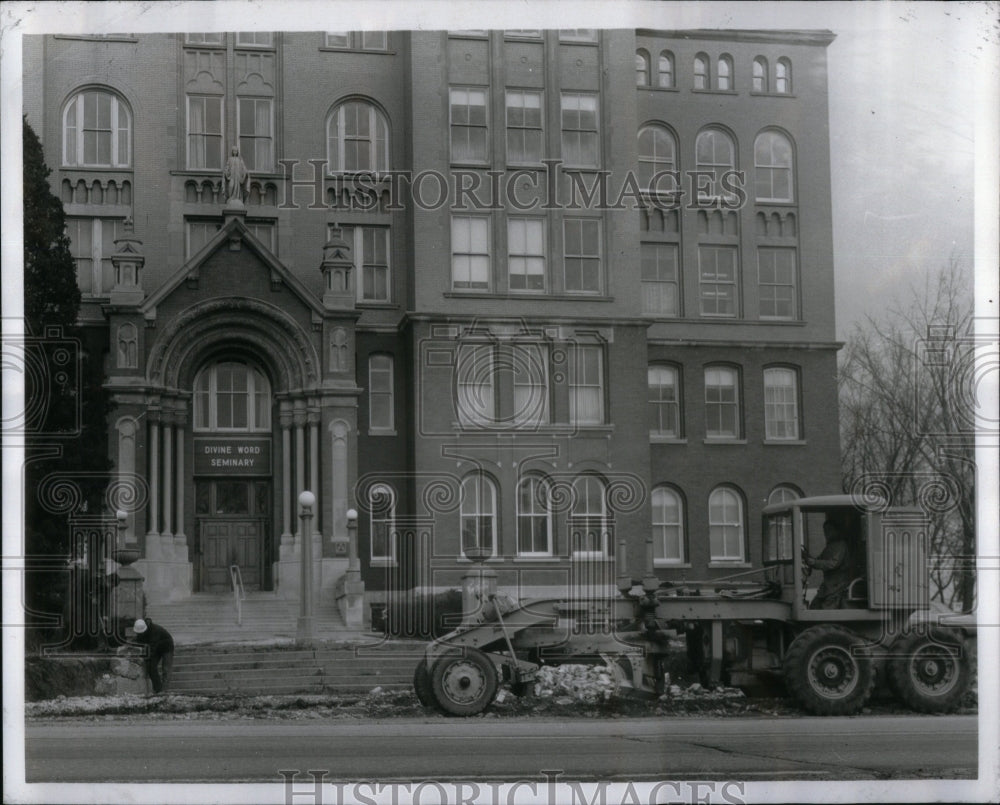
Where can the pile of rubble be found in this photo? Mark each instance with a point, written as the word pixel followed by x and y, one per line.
pixel 567 684
pixel 575 683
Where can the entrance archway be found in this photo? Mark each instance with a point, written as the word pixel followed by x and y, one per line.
pixel 232 448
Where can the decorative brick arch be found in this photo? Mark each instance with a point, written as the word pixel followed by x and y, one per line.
pixel 260 329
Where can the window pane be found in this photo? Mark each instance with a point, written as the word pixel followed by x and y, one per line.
pixel 721 403
pixel 781 418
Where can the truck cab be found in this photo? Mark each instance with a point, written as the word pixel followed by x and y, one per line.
pixel 886 557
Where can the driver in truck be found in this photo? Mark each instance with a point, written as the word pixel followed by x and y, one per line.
pixel 835 563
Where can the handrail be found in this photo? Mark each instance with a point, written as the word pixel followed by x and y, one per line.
pixel 239 594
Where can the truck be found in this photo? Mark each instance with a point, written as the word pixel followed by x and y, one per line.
pixel 765 621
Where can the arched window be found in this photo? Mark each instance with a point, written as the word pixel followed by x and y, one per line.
pixel 701 72
pixel 641 68
pixel 357 137
pixel 783 493
pixel 781 404
pixel 382 513
pixel 97 131
pixel 715 154
pixel 657 152
pixel 772 154
pixel 665 69
pixel 380 393
pixel 668 526
pixel 588 519
pixel 722 402
pixel 760 74
pixel 778 538
pixel 783 76
pixel 232 396
pixel 534 517
pixel 478 513
pixel 725 525
pixel 664 401
pixel 724 73
pixel 128 346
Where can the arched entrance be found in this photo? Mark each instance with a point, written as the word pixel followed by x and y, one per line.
pixel 232 469
pixel 233 422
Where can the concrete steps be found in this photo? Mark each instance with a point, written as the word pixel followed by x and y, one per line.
pixel 266 618
pixel 270 670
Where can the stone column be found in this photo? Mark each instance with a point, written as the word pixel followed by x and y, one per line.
pixel 168 475
pixel 285 418
pixel 180 539
pixel 300 458
pixel 313 419
pixel 154 480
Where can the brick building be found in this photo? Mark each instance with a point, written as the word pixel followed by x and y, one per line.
pixel 517 296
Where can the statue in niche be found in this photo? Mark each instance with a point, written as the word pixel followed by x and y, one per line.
pixel 237 177
pixel 338 350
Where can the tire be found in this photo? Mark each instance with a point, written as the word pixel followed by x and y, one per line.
pixel 422 685
pixel 464 684
pixel 930 672
pixel 824 672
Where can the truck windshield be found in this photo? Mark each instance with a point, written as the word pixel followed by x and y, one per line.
pixel 778 537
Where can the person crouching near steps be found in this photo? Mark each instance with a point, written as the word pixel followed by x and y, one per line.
pixel 160 647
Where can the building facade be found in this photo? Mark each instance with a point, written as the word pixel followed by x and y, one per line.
pixel 528 298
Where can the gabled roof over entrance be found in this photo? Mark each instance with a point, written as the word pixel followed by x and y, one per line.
pixel 234 230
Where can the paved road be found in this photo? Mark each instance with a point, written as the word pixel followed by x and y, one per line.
pixel 800 748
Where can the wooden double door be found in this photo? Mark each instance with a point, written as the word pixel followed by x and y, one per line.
pixel 233 529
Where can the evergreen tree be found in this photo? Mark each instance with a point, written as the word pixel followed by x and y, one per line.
pixel 65 403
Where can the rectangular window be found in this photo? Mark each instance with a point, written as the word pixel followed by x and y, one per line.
pixel 358 40
pixel 586 385
pixel 578 35
pixel 264 232
pixel 534 526
pixel 92 242
pixel 255 129
pixel 380 394
pixel 531 384
pixel 469 140
pixel 722 406
pixel 198 233
pixel 526 254
pixel 204 39
pixel 776 273
pixel 664 401
pixel 781 404
pixel 524 127
pixel 204 132
pixel 717 275
pixel 476 401
pixel 232 395
pixel 660 290
pixel 582 255
pixel 470 253
pixel 254 39
pixel 580 146
pixel 370 253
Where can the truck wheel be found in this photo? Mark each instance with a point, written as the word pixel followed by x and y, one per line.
pixel 930 672
pixel 464 684
pixel 826 673
pixel 422 684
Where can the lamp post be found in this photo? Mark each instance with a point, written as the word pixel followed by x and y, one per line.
pixel 353 565
pixel 304 633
